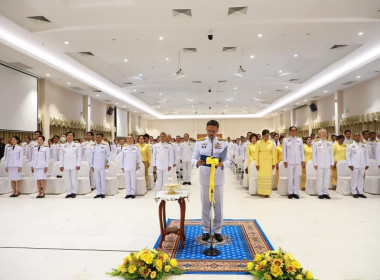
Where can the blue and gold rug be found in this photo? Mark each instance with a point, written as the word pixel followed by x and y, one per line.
pixel 243 239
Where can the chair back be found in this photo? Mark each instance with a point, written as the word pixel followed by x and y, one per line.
pixel 252 169
pixel 283 172
pixel 310 170
pixel 342 168
pixel 373 169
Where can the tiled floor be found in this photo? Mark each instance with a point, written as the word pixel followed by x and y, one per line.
pixel 61 239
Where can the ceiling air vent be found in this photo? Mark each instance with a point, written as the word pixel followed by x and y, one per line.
pixel 21 65
pixel 128 84
pixel 229 49
pixel 196 82
pixel 96 90
pixel 279 90
pixel 294 80
pixel 108 101
pixel 315 97
pixel 40 18
pixel 76 88
pixel 86 53
pixel 348 83
pixel 182 12
pixel 237 10
pixel 190 50
pixel 338 47
pixel 222 81
pixel 140 92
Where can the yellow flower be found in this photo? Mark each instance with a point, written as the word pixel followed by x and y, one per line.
pixel 122 268
pixel 132 269
pixel 167 268
pixel 159 265
pixel 267 276
pixel 309 275
pixel 144 271
pixel 299 277
pixel 125 261
pixel 269 259
pixel 258 267
pixel 258 258
pixel 153 275
pixel 263 263
pixel 173 262
pixel 161 257
pixel 296 264
pixel 277 262
pixel 166 257
pixel 291 268
pixel 147 258
pixel 250 266
pixel 276 270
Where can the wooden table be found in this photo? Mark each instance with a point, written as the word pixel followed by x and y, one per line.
pixel 180 196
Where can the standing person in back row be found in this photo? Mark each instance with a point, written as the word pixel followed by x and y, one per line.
pixel 13 164
pixel 211 146
pixel 323 161
pixel 86 155
pixel 294 158
pixel 40 165
pixel 162 160
pixel 185 155
pixel 70 157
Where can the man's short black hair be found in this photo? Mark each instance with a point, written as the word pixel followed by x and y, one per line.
pixel 38 131
pixel 365 131
pixel 346 131
pixel 340 137
pixel 290 128
pixel 100 134
pixel 146 135
pixel 213 123
pixel 70 132
pixel 91 133
pixel 43 137
pixel 264 132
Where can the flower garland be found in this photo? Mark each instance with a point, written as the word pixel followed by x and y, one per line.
pixel 102 128
pixel 67 123
pixel 278 265
pixel 147 264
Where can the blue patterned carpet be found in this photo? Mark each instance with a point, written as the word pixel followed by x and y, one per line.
pixel 243 239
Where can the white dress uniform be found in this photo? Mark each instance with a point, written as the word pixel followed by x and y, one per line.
pixel 177 148
pixel 348 141
pixel 371 146
pixel 40 160
pixel 86 156
pixel 70 157
pixel 130 161
pixel 54 151
pixel 357 156
pixel 163 159
pixel 245 146
pixel 378 152
pixel 185 154
pixel 28 148
pixel 323 157
pixel 293 154
pixel 100 157
pixel 13 161
pixel 206 147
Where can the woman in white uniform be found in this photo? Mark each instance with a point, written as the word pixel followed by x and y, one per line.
pixel 13 164
pixel 40 164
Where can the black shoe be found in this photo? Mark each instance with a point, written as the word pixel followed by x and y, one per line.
pixel 321 197
pixel 362 196
pixel 16 195
pixel 205 236
pixel 92 189
pixel 189 183
pixel 73 195
pixel 42 196
pixel 218 237
pixel 133 196
pixel 326 196
pixel 184 183
pixel 296 196
pixel 102 196
pixel 38 196
pixel 13 195
pixel 68 196
pixel 290 196
pixel 355 196
pixel 128 196
pixel 97 196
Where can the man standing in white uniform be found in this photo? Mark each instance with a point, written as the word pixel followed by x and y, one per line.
pixel 185 154
pixel 162 161
pixel 100 160
pixel 86 156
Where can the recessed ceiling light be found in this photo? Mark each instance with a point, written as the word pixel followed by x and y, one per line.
pixel 160 38
pixel 252 56
pixel 160 93
pixel 68 83
pixel 261 105
pixel 134 90
pixel 47 75
pixel 358 77
pixel 285 109
pixel 260 35
pixel 235 88
pixel 124 106
pixel 117 103
pixel 296 55
pixel 298 103
pixel 286 87
pixel 66 42
pixel 140 75
pixel 305 100
pixel 360 33
pixel 97 95
pixel 325 91
pixel 226 106
pixel 260 92
pixel 280 71
pixel 125 60
pixel 167 59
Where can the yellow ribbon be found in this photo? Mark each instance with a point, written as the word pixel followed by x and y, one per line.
pixel 214 162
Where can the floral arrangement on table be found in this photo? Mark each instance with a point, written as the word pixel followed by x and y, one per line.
pixel 147 264
pixel 277 265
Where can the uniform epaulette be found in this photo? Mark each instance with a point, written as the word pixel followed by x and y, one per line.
pixel 76 142
pixel 125 145
pixel 201 139
pixel 378 141
pixel 316 140
pixel 364 142
pixel 222 139
pixel 329 140
pixel 46 145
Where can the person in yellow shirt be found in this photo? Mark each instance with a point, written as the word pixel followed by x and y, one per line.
pixel 339 149
pixel 145 155
pixel 265 162
pixel 251 150
pixel 278 158
pixel 308 150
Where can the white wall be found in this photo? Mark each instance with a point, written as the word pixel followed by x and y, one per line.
pixel 99 113
pixel 361 99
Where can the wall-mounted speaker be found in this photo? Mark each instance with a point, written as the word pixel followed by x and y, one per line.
pixel 110 111
pixel 313 107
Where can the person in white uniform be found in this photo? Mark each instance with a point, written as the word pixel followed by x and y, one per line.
pixel 172 175
pixel 371 145
pixel 54 148
pixel 70 156
pixel 100 159
pixel 86 155
pixel 163 159
pixel 185 155
pixel 214 147
pixel 40 165
pixel 347 137
pixel 377 152
pixel 130 162
pixel 323 161
pixel 294 158
pixel 13 164
pixel 358 161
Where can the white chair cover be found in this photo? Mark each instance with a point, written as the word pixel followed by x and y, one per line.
pixel 120 175
pixel 151 177
pixel 372 178
pixel 111 179
pixel 252 189
pixel 140 181
pixel 344 178
pixel 55 185
pixel 50 168
pixel 5 185
pixel 84 178
pixel 282 187
pixel 245 175
pixel 311 179
pixel 28 184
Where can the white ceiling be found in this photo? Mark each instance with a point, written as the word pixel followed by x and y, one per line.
pixel 114 30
